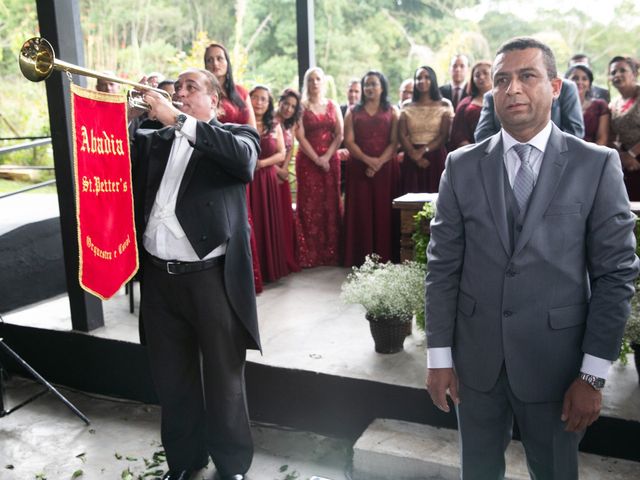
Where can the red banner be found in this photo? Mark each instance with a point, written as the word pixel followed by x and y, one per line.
pixel 104 200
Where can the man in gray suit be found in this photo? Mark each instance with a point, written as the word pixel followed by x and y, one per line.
pixel 531 270
pixel 566 113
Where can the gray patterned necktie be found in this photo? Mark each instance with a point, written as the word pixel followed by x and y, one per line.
pixel 524 181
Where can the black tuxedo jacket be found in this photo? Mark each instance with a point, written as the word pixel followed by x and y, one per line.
pixel 447 92
pixel 211 205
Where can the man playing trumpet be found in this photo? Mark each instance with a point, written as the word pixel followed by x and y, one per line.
pixel 197 303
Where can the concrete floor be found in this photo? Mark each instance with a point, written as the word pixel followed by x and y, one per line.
pixel 27 208
pixel 305 326
pixel 45 440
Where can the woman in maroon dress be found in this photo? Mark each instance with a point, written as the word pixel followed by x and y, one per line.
pixel 287 115
pixel 469 108
pixel 595 111
pixel 264 193
pixel 370 135
pixel 319 207
pixel 234 107
pixel 423 131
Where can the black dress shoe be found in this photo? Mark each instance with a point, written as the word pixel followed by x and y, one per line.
pixel 178 475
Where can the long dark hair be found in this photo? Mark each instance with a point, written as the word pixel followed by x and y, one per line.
pixel 268 121
pixel 290 92
pixel 434 91
pixel 229 86
pixel 384 100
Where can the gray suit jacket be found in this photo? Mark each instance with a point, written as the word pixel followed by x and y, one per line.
pixel 566 113
pixel 561 291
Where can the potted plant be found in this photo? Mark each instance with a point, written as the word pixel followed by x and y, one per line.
pixel 631 338
pixel 390 294
pixel 421 236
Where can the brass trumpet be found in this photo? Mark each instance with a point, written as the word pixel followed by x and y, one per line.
pixel 37 61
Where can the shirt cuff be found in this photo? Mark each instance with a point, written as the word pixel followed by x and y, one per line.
pixel 439 357
pixel 189 128
pixel 598 367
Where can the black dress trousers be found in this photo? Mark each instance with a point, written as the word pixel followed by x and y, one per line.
pixel 197 349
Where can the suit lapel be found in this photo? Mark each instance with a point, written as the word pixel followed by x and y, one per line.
pixel 553 165
pixel 492 168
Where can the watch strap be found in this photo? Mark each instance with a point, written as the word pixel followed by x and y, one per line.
pixel 180 119
pixel 596 382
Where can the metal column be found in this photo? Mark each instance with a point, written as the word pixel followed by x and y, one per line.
pixel 59 22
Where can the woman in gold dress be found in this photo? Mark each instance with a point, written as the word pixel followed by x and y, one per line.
pixel 424 128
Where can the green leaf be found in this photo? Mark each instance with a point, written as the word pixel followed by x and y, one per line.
pixel 154 473
pixel 284 468
pixel 76 474
pixel 132 459
pixel 127 475
pixel 9 467
pixel 118 456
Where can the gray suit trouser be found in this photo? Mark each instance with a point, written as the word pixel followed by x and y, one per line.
pixel 197 348
pixel 485 422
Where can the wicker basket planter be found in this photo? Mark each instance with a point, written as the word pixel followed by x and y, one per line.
pixel 389 333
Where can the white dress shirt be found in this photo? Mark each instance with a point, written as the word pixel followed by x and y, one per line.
pixel 441 357
pixel 164 237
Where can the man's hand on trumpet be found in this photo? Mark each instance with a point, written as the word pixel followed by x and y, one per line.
pixel 160 108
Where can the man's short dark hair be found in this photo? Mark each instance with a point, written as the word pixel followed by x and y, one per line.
pixel 522 43
pixel 579 56
pixel 166 83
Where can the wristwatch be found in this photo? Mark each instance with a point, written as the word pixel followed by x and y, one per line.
pixel 596 382
pixel 180 119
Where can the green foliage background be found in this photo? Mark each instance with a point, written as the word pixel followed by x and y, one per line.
pixel 132 37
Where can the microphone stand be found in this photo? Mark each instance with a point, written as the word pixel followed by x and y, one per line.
pixel 37 376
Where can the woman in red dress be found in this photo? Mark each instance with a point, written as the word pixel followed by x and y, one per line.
pixel 370 135
pixel 423 130
pixel 318 203
pixel 595 111
pixel 287 115
pixel 233 107
pixel 264 193
pixel 469 108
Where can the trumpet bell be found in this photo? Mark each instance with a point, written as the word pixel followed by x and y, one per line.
pixel 36 59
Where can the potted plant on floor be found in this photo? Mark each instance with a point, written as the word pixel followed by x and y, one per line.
pixel 391 294
pixel 631 338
